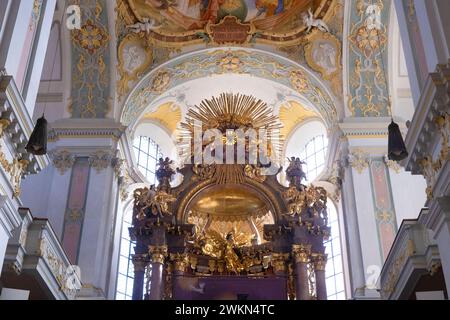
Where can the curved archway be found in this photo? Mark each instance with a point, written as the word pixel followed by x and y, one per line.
pixel 292 78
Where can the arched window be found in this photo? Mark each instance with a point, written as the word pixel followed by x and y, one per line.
pixel 313 155
pixel 334 271
pixel 309 143
pixel 147 153
pixel 125 276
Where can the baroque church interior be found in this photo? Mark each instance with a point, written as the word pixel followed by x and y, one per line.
pixel 224 149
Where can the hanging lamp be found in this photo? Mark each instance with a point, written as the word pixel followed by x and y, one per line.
pixel 37 144
pixel 396 146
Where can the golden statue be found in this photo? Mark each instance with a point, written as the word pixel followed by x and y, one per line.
pixel 226 247
pixel 155 200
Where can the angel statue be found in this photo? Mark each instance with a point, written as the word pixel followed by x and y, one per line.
pixel 310 22
pixel 295 172
pixel 226 247
pixel 146 26
pixel 157 201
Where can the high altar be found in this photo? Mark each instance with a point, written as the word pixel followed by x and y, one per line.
pixel 230 231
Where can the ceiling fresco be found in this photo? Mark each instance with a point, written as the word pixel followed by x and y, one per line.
pixel 175 28
pixel 192 15
pixel 152 32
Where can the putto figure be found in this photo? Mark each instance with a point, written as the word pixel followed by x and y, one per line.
pixel 310 22
pixel 146 26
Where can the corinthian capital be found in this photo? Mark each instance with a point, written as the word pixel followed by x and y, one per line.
pixel 158 253
pixel 320 261
pixel 301 253
pixel 100 160
pixel 62 160
pixel 358 160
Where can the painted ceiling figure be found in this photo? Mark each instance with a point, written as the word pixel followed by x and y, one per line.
pixel 212 11
pixel 196 14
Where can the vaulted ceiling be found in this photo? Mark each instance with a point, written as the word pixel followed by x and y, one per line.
pixel 132 56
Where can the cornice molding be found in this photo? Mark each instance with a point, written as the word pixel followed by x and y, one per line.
pixel 359 128
pixel 85 128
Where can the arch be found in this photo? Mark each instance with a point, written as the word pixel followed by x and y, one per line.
pixel 158 133
pixel 310 127
pixel 214 62
pixel 277 207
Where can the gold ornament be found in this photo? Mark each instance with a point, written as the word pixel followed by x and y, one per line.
pixel 301 253
pixel 158 253
pixel 320 261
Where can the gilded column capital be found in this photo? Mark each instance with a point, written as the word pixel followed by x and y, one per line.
pixel 139 262
pixel 180 261
pixel 301 253
pixel 320 261
pixel 158 253
pixel 279 262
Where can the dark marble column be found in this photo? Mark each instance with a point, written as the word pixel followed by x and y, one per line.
pixel 180 262
pixel 158 255
pixel 320 260
pixel 139 276
pixel 301 255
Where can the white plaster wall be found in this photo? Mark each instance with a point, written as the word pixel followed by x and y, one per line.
pixel 11 48
pixel 402 102
pixel 366 219
pixel 96 239
pixel 4 237
pixel 431 29
pixel 409 194
pixel 5 6
pixel 37 61
pixel 45 194
pixel 407 49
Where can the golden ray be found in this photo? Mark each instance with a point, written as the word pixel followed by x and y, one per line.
pixel 231 112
